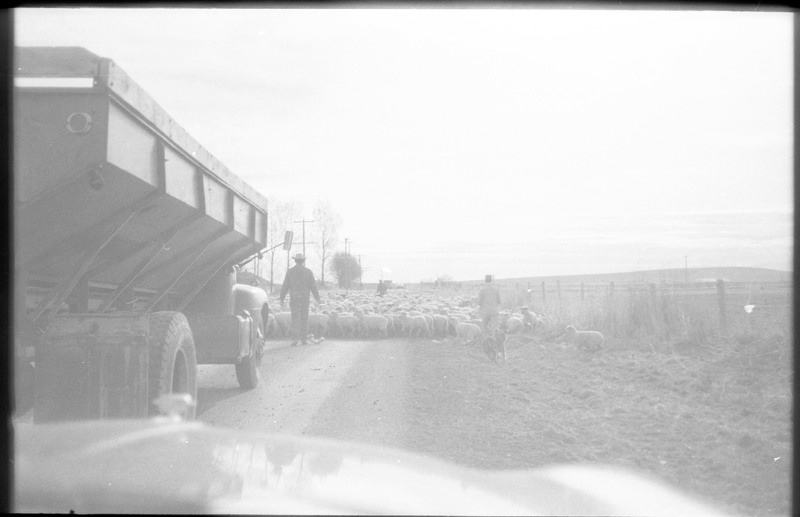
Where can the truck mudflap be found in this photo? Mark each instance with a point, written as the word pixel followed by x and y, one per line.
pixel 91 366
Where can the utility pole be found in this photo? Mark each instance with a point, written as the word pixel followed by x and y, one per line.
pixel 346 247
pixel 360 274
pixel 304 233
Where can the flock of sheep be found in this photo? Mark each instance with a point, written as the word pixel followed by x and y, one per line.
pixel 401 313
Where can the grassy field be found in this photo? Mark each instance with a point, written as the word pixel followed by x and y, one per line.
pixel 690 387
pixel 712 420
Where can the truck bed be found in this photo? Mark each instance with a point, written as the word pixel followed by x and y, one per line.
pixel 111 195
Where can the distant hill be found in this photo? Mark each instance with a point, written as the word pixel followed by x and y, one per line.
pixel 707 274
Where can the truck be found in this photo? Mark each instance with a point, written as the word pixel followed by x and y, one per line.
pixel 127 237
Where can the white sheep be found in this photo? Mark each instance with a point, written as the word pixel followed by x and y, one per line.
pixel 441 325
pixel 397 324
pixel 514 325
pixel 284 322
pixel 585 339
pixel 415 324
pixel 346 324
pixel 460 316
pixel 318 324
pixel 369 323
pixel 452 322
pixel 272 326
pixel 390 324
pixel 468 332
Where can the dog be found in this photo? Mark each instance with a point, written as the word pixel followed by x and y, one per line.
pixel 494 346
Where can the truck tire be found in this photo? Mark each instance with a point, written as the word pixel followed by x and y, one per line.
pixel 173 360
pixel 247 371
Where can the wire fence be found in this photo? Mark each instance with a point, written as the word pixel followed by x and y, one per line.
pixel 693 311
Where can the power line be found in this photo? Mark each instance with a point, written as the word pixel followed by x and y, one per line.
pixel 304 233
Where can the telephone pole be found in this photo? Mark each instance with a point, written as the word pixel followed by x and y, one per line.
pixel 360 274
pixel 304 233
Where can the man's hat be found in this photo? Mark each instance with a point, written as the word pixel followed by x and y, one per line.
pixel 299 257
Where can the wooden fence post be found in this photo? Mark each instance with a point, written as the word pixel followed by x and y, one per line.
pixel 558 290
pixel 653 318
pixel 723 318
pixel 582 296
pixel 544 294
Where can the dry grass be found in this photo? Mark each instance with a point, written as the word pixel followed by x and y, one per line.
pixel 667 316
pixel 713 421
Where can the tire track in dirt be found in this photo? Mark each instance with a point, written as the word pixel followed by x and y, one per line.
pixel 370 405
pixel 295 382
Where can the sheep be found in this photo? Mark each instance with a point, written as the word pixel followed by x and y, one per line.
pixel 475 321
pixel 514 325
pixel 529 320
pixel 396 325
pixel 389 324
pixel 460 316
pixel 441 325
pixel 318 324
pixel 372 322
pixel 585 339
pixel 468 332
pixel 452 322
pixel 346 324
pixel 413 324
pixel 272 326
pixel 284 323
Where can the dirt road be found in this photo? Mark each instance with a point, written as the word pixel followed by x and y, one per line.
pixel 352 390
pixel 706 421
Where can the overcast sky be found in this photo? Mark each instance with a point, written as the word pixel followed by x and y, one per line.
pixel 518 142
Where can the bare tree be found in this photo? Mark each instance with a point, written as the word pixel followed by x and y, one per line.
pixel 281 216
pixel 327 223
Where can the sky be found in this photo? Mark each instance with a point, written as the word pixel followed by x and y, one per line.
pixel 510 141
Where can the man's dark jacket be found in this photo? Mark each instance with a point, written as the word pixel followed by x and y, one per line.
pixel 299 283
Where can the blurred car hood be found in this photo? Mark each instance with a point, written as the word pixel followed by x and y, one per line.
pixel 164 466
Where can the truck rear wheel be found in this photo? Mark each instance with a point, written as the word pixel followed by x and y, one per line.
pixel 247 371
pixel 173 360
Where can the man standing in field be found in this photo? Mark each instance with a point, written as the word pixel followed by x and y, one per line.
pixel 300 284
pixel 489 303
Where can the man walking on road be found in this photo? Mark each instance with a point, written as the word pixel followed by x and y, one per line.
pixel 300 284
pixel 489 302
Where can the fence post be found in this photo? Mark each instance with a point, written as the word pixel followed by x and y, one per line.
pixel 544 294
pixel 558 290
pixel 723 318
pixel 611 312
pixel 652 310
pixel 582 299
